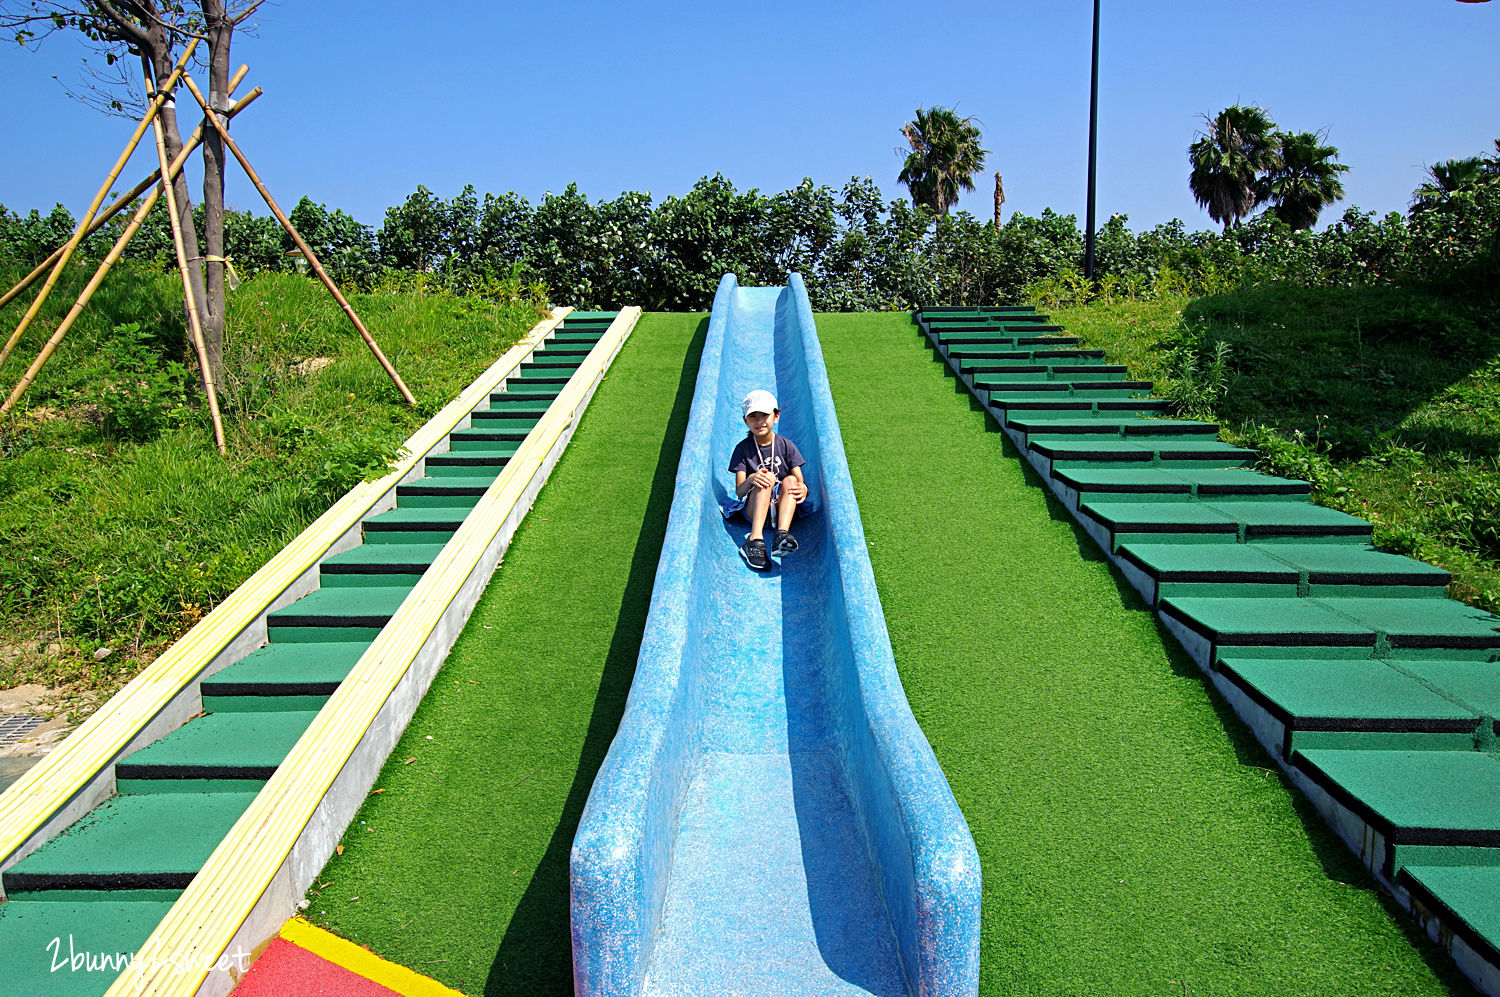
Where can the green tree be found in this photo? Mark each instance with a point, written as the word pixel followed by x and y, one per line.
pixel 1303 179
pixel 945 155
pixel 1453 175
pixel 1228 158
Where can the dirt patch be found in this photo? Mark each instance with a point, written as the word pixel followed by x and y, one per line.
pixel 311 366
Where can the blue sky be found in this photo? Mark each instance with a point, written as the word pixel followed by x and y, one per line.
pixel 360 110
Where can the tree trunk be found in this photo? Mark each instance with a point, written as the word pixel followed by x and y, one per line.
pixel 220 30
pixel 161 59
pixel 999 198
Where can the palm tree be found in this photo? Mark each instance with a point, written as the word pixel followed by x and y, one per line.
pixel 1449 177
pixel 1227 160
pixel 945 155
pixel 1304 179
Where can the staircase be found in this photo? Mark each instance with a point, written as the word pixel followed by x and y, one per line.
pixel 101 887
pixel 1372 690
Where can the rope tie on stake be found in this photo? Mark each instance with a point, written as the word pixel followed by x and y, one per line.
pixel 231 279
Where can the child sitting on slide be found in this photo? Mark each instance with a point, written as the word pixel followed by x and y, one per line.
pixel 767 472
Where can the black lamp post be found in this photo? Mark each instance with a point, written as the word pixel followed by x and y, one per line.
pixel 1088 244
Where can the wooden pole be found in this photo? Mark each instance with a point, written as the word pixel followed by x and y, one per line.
pixel 104 216
pixel 110 260
pixel 307 251
pixel 195 323
pixel 119 205
pixel 152 108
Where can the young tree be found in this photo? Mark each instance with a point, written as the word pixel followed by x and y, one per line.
pixel 1303 178
pixel 1231 153
pixel 153 32
pixel 945 155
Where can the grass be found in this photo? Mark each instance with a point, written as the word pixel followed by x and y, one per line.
pixel 122 525
pixel 458 865
pixel 1134 838
pixel 1387 399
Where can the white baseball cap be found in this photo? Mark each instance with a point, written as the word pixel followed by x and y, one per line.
pixel 759 400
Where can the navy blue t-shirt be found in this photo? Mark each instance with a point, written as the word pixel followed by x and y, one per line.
pixel 748 456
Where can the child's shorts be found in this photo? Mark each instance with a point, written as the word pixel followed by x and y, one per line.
pixel 734 505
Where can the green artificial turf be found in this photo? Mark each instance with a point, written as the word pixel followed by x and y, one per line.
pixel 459 868
pixel 1133 837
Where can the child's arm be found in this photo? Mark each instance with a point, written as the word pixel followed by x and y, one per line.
pixel 797 487
pixel 744 481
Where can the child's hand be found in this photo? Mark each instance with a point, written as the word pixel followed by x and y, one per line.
pixel 795 487
pixel 763 479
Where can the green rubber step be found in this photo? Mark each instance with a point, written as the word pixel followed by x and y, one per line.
pixel 554 349
pixel 511 425
pixel 419 521
pixel 376 561
pixel 1467 900
pixel 1015 336
pixel 495 431
pixel 956 321
pixel 540 362
pixel 1315 570
pixel 1414 797
pixel 468 440
pixel 1032 378
pixel 1028 354
pixel 1365 622
pixel 439 500
pixel 518 406
pixel 520 391
pixel 339 606
pixel 229 746
pixel 1132 450
pixel 44 940
pixel 1041 422
pixel 1158 483
pixel 471 485
pixel 285 670
pixel 1315 699
pixel 1033 362
pixel 577 317
pixel 148 841
pixel 496 456
pixel 1108 399
pixel 1249 521
pixel 539 377
pixel 579 335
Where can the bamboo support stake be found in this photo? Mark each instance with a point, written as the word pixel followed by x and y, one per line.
pixel 109 261
pixel 307 251
pixel 152 108
pixel 195 322
pixel 123 202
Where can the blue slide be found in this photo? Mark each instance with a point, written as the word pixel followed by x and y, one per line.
pixel 770 819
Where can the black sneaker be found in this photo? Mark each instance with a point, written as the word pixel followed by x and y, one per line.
pixel 754 553
pixel 785 544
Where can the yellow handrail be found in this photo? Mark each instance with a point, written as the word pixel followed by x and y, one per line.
pixel 202 924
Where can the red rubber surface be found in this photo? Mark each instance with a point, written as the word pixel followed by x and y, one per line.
pixel 287 970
